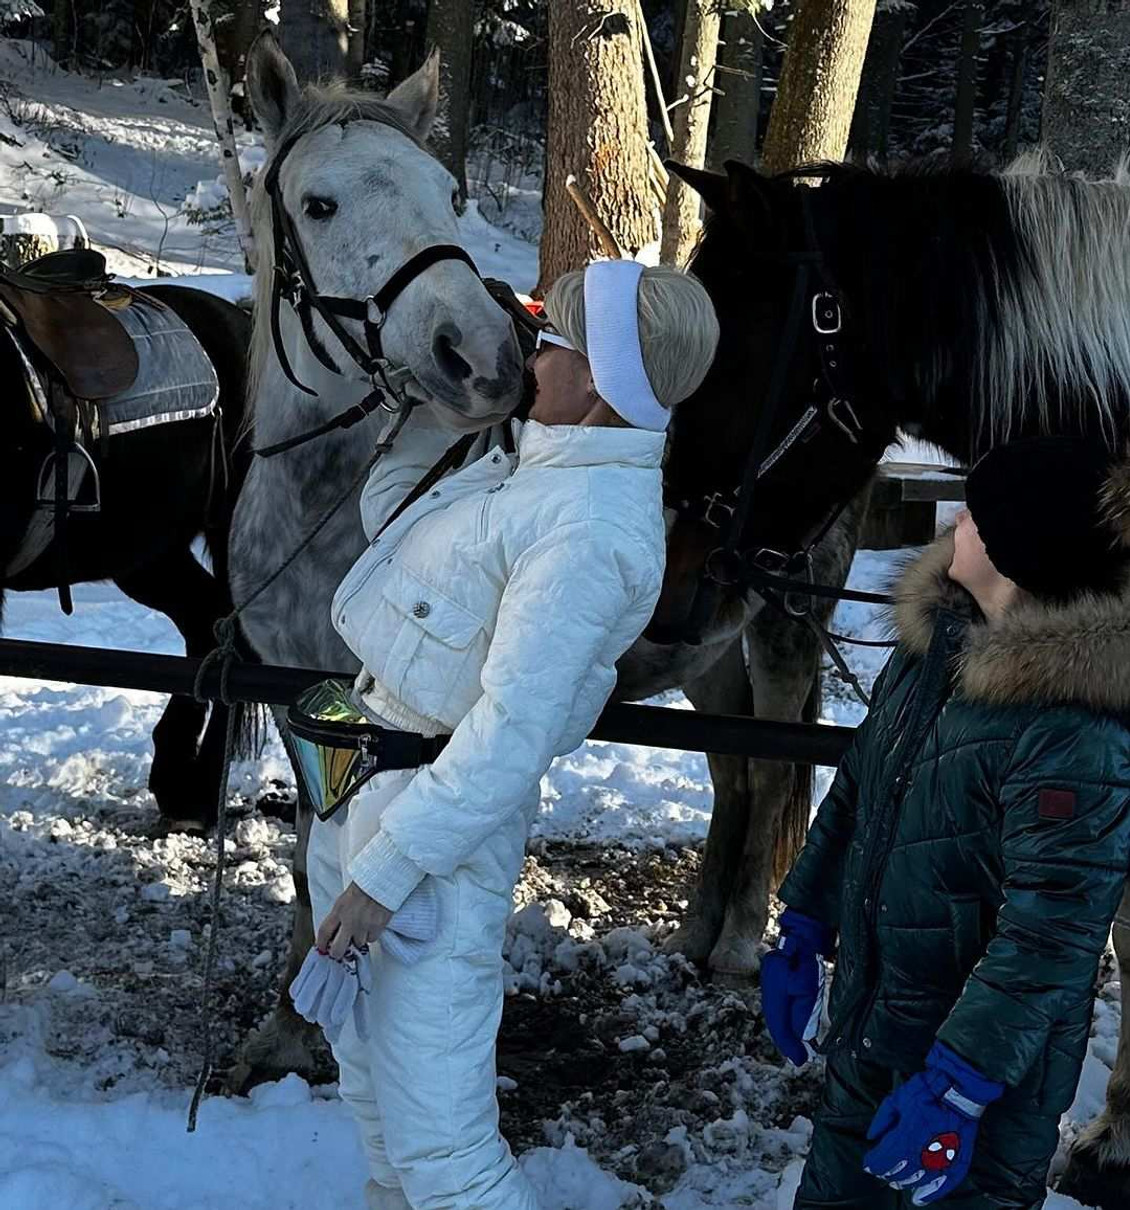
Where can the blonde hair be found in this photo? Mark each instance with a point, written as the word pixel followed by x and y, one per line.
pixel 678 327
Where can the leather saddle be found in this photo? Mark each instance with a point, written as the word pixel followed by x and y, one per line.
pixel 63 302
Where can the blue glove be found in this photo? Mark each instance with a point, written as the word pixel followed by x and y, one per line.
pixel 927 1127
pixel 792 985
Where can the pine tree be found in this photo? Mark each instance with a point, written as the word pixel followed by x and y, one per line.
pixel 691 103
pixel 812 114
pixel 451 30
pixel 597 132
pixel 315 36
pixel 737 103
pixel 1087 95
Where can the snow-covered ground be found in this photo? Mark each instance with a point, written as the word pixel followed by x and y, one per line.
pixel 102 929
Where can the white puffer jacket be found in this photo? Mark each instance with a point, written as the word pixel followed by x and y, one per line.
pixel 496 608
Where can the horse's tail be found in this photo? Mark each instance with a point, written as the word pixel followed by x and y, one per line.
pixel 795 814
pixel 252 730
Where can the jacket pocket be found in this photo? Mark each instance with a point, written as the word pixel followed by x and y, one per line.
pixel 968 937
pixel 427 640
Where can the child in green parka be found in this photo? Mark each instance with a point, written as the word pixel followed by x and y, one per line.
pixel 972 851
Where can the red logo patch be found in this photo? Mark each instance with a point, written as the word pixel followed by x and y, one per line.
pixel 1057 804
pixel 940 1152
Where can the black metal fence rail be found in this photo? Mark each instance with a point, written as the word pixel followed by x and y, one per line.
pixel 653 726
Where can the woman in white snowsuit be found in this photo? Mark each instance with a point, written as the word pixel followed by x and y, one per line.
pixel 494 609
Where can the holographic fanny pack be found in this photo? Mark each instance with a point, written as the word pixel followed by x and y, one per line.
pixel 338 749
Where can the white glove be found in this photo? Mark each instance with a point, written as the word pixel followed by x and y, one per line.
pixel 326 992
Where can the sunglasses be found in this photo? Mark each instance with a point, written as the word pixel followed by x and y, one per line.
pixel 546 337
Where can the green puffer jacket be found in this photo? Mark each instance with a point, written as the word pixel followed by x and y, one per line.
pixel 975 844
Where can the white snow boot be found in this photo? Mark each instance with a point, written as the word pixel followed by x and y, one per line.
pixel 381 1197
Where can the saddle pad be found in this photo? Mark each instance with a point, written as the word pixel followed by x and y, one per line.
pixel 175 379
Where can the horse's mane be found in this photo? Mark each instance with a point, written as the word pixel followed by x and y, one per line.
pixel 318 106
pixel 1028 302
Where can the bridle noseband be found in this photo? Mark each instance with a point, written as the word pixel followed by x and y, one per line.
pixel 292 281
pixel 783 578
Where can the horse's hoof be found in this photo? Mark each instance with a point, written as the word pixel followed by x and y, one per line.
pixel 735 961
pixel 271 1054
pixel 167 825
pixel 1098 1167
pixel 694 939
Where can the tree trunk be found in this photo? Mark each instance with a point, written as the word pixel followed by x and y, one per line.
pixel 451 28
pixel 217 84
pixel 1020 41
pixel 965 104
pixel 314 35
pixel 597 131
pixel 358 11
pixel 737 105
pixel 1087 94
pixel 234 37
pixel 871 125
pixel 811 116
pixel 692 122
pixel 62 30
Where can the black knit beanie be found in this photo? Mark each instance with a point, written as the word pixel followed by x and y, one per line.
pixel 1037 505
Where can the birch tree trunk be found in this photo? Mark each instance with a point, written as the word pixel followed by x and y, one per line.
pixel 737 105
pixel 691 103
pixel 1087 94
pixel 597 132
pixel 218 97
pixel 315 36
pixel 451 29
pixel 811 117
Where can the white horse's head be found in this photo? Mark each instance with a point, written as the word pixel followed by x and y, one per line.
pixel 365 196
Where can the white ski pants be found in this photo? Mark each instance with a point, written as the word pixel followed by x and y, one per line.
pixel 422 1089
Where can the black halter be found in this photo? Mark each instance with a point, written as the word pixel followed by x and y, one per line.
pixel 783 578
pixel 293 281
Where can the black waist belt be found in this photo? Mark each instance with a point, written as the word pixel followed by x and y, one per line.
pixel 405 749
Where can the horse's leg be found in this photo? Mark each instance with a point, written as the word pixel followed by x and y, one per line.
pixel 722 690
pixel 1098 1167
pixel 783 665
pixel 285 1042
pixel 176 585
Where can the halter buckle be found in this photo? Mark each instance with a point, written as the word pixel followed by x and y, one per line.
pixel 717 502
pixel 827 318
pixel 374 316
pixel 294 290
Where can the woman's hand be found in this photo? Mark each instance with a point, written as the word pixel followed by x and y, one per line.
pixel 355 919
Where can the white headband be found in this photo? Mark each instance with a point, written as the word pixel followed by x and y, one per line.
pixel 612 330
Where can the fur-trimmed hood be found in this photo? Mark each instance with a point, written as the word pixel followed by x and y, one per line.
pixel 1077 653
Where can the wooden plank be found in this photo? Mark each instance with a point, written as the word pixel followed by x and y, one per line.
pixel 918 482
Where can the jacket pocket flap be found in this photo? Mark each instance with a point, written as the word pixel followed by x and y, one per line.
pixel 434 613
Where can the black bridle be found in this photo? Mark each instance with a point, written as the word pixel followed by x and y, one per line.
pixel 293 281
pixel 783 578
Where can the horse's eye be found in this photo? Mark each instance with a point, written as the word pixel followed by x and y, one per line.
pixel 319 208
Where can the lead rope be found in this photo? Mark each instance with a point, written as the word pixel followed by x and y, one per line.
pixel 225 654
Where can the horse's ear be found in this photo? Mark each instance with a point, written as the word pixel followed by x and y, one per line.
pixel 712 187
pixel 418 96
pixel 749 190
pixel 272 86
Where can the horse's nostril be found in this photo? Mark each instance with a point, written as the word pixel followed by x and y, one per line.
pixel 445 352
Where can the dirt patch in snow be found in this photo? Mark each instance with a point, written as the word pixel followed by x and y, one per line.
pixel 605 1039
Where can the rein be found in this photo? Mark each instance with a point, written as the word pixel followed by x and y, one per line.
pixel 293 281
